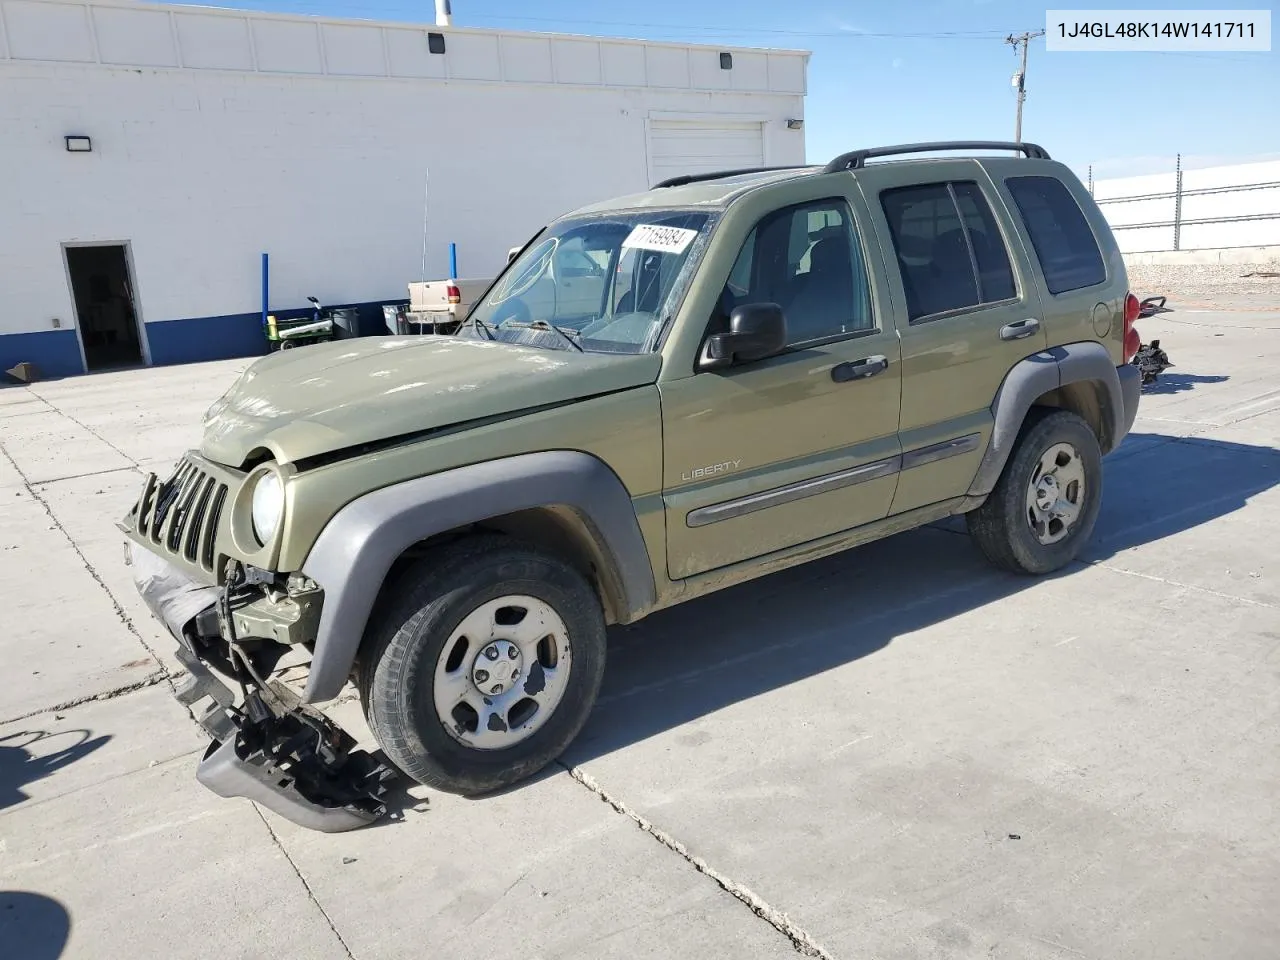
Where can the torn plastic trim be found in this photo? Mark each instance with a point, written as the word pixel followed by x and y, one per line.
pixel 275 763
pixel 271 749
pixel 288 758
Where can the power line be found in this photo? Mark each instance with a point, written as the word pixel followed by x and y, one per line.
pixel 849 34
pixel 373 6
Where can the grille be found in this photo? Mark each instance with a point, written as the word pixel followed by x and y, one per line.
pixel 181 515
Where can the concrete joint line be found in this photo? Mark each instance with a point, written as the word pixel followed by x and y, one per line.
pixel 161 676
pixel 89 430
pixel 1248 601
pixel 1104 565
pixel 801 942
pixel 303 880
pixel 92 473
pixel 121 613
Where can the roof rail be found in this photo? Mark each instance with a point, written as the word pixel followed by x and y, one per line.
pixel 857 159
pixel 681 180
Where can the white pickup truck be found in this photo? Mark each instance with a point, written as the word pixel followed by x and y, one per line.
pixel 563 281
pixel 438 306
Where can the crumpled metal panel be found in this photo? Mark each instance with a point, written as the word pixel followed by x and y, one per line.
pixel 173 597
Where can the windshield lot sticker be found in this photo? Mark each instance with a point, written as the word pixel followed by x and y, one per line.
pixel 663 239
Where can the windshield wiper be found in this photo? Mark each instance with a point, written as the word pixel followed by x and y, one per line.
pixel 548 325
pixel 488 330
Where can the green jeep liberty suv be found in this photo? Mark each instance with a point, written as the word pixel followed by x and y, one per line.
pixel 660 396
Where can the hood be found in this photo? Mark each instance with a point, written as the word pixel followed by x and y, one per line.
pixel 324 397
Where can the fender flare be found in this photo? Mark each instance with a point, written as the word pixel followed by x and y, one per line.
pixel 1086 362
pixel 355 550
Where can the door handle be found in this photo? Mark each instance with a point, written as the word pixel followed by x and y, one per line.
pixel 859 369
pixel 1023 328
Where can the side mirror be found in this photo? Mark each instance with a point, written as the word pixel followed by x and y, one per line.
pixel 756 331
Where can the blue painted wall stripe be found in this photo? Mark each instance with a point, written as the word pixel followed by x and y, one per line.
pixel 241 334
pixel 55 353
pixel 206 338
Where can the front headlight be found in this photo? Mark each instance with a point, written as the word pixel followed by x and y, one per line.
pixel 267 506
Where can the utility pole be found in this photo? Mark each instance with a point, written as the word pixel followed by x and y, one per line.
pixel 1020 78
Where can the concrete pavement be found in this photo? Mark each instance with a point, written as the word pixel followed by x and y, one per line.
pixel 896 753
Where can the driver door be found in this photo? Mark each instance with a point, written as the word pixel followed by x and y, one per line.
pixel 772 454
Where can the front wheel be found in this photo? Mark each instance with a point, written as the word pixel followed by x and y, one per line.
pixel 485 666
pixel 1045 504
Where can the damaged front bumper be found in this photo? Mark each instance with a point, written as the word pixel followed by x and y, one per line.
pixel 269 748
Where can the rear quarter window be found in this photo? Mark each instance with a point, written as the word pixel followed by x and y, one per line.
pixel 1064 244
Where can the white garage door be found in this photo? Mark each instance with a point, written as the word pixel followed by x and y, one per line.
pixel 678 147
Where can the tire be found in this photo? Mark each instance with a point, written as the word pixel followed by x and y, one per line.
pixel 1010 527
pixel 405 673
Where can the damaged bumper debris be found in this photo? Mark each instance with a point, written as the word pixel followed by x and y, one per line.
pixel 271 748
pixel 1152 361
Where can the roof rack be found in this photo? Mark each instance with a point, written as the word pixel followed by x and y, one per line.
pixel 681 180
pixel 857 159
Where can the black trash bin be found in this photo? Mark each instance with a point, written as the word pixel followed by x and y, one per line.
pixel 346 323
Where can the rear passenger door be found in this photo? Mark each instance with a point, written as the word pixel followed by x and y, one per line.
pixel 968 312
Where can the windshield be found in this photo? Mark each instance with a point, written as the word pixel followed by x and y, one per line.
pixel 602 284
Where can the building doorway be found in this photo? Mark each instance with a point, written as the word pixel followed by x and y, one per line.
pixel 105 307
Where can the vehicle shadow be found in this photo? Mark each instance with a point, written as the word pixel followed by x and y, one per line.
pixel 1179 383
pixel 691 660
pixel 32 926
pixel 21 765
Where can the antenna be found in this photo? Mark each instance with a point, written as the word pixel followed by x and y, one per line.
pixel 426 177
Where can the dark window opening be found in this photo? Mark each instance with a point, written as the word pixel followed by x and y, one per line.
pixel 435 42
pixel 807 259
pixel 1065 246
pixel 995 275
pixel 950 251
pixel 105 313
pixel 726 61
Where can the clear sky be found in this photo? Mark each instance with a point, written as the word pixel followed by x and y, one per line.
pixel 891 71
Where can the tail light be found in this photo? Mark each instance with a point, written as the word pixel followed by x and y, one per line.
pixel 456 297
pixel 1132 342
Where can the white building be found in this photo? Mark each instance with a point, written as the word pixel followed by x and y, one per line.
pixel 149 155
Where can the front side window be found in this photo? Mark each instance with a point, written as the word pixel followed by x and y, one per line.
pixel 1065 246
pixel 950 251
pixel 603 283
pixel 806 259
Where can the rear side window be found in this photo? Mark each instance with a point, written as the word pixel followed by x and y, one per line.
pixel 1065 246
pixel 950 251
pixel 995 276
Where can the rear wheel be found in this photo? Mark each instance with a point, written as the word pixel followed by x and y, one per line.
pixel 484 667
pixel 1045 504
